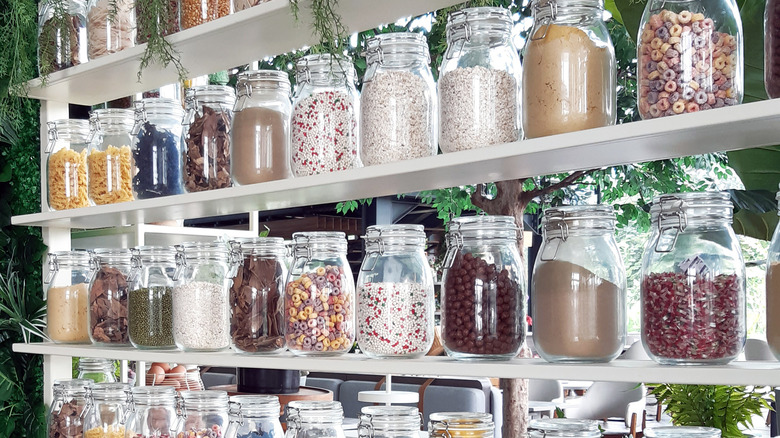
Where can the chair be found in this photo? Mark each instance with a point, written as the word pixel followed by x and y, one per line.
pixel 758 349
pixel 635 352
pixel 545 390
pixel 609 400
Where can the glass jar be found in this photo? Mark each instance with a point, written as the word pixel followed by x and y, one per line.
pixel 260 143
pixel 97 370
pixel 578 290
pixel 682 432
pixel 109 160
pixel 773 291
pixel 569 69
pixel 150 303
pixel 164 21
pixel 483 289
pixel 110 27
pixel 309 419
pixel 693 281
pixel 62 40
pixel 395 302
pixel 772 48
pixel 207 125
pixel 254 416
pixel 325 130
pixel 204 414
pixel 240 5
pixel 398 103
pixel 157 148
pixel 195 12
pixel 479 81
pixel 461 424
pixel 153 413
pixel 563 427
pixel 67 296
pixel 201 313
pixel 689 56
pixel 108 411
pixel 320 283
pixel 389 422
pixel 65 418
pixel 66 164
pixel 256 296
pixel 108 296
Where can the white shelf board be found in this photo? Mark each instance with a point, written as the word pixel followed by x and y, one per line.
pixel 150 234
pixel 744 126
pixel 736 373
pixel 264 30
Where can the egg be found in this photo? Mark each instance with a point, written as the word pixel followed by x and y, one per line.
pixel 172 382
pixel 157 373
pixel 179 370
pixel 165 367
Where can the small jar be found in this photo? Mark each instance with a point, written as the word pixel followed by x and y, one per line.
pixel 150 303
pixel 62 44
pixel 110 27
pixel 204 414
pixel 395 302
pixel 682 432
pixel 153 413
pixel 563 427
pixel 195 12
pixel 109 160
pixel 569 69
pixel 325 130
pixel 201 313
pixel 65 418
pixel 97 370
pixel 398 104
pixel 772 48
pixel 254 416
pixel 578 289
pixel 207 126
pixel 108 411
pixel 389 422
pixel 693 281
pixel 108 297
pixel 689 57
pixel 66 164
pixel 321 419
pixel 320 281
pixel 67 296
pixel 773 291
pixel 256 296
pixel 461 424
pixel 479 81
pixel 167 21
pixel 157 137
pixel 483 292
pixel 260 139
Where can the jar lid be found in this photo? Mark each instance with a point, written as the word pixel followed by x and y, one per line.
pixel 460 421
pixel 682 431
pixel 110 390
pixel 566 427
pixel 262 80
pixel 547 10
pixel 254 405
pixel 210 94
pixel 193 250
pixel 695 205
pixel 302 411
pixel 75 258
pixel 72 386
pixel 483 226
pixel 154 394
pixel 323 67
pixel 488 18
pixel 72 130
pixel 396 43
pixel 412 234
pixel 270 246
pixel 389 418
pixel 152 254
pixel 158 105
pixel 209 396
pixel 304 242
pixel 112 256
pixel 560 219
pixel 95 363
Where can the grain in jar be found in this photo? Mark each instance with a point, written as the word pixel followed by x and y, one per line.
pixel 67 296
pixel 195 12
pixel 150 301
pixel 110 159
pixel 66 164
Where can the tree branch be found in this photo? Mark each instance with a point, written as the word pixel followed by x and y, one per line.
pixel 569 180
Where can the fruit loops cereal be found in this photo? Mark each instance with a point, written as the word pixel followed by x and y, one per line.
pixel 393 319
pixel 324 134
pixel 319 312
pixel 213 432
pixel 686 65
pixel 68 179
pixel 687 319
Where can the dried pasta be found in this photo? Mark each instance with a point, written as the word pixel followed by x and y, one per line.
pixel 68 179
pixel 110 175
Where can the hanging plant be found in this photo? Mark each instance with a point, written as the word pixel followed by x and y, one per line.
pixel 327 26
pixel 155 20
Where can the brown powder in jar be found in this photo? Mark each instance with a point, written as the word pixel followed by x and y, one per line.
pixel 773 307
pixel 67 313
pixel 568 83
pixel 577 314
pixel 260 151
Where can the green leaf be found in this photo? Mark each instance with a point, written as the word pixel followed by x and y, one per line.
pixel 752 13
pixel 758 168
pixel 8 379
pixel 610 6
pixel 630 12
pixel 756 201
pixel 758 226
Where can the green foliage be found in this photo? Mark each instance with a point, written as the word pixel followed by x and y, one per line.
pixel 450 202
pixel 19 34
pixel 154 16
pixel 350 206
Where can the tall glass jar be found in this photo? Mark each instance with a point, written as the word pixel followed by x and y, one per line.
pixel 483 289
pixel 165 21
pixel 689 57
pixel 201 313
pixel 257 296
pixel 569 74
pixel 62 38
pixel 321 419
pixel 479 81
pixel 204 414
pixel 773 291
pixel 260 143
pixel 772 48
pixel 207 126
pixel 97 370
pixel 461 424
pixel 326 105
pixel 150 303
pixel 389 422
pixel 109 160
pixel 395 302
pixel 110 27
pixel 108 296
pixel 563 427
pixel 65 418
pixel 108 411
pixel 195 12
pixel 67 296
pixel 578 290
pixel 682 432
pixel 153 412
pixel 66 164
pixel 693 281
pixel 398 104
pixel 254 416
pixel 157 137
pixel 319 303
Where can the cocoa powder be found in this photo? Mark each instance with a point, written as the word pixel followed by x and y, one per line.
pixel 260 151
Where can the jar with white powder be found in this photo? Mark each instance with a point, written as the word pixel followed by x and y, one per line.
pixel 398 119
pixel 201 313
pixel 325 130
pixel 479 81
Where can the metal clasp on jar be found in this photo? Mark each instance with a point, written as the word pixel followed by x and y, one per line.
pixel 546 14
pixel 234 410
pixel 555 237
pixel 670 217
pixel 301 248
pixel 454 244
pixel 373 252
pixel 464 27
pixel 366 427
pixel 140 117
pixel 53 136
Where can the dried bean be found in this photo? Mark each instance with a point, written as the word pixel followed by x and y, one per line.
pixel 150 319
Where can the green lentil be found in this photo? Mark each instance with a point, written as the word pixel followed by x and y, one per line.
pixel 150 320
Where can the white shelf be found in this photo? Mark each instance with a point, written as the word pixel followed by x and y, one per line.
pixel 264 30
pixel 744 126
pixel 150 234
pixel 737 373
